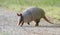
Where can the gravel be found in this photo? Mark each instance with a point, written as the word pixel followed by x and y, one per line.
pixel 9 21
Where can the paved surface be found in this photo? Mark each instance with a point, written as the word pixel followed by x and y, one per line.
pixel 9 21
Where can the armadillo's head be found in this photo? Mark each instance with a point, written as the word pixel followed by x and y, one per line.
pixel 21 19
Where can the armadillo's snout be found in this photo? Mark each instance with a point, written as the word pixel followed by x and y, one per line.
pixel 21 19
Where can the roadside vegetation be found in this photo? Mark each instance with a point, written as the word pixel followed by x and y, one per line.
pixel 51 7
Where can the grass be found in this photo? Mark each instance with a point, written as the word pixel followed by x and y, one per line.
pixel 51 7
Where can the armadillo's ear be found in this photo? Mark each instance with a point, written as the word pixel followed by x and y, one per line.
pixel 19 14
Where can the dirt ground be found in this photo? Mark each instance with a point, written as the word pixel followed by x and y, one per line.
pixel 9 21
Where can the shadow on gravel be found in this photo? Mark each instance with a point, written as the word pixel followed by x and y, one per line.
pixel 43 26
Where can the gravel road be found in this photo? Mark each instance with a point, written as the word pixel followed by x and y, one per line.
pixel 9 21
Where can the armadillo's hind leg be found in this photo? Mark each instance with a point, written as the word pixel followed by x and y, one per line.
pixel 37 22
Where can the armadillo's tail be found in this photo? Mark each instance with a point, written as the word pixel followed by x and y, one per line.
pixel 47 20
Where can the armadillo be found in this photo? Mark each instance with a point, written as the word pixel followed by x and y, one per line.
pixel 32 14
